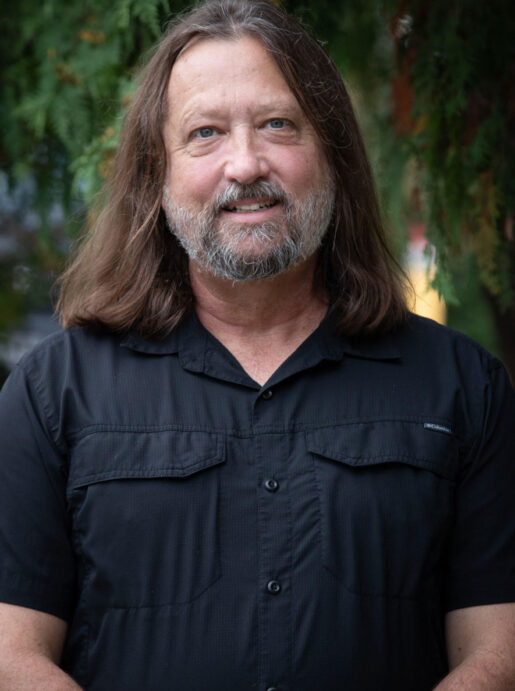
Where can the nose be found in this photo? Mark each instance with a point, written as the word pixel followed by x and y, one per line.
pixel 245 161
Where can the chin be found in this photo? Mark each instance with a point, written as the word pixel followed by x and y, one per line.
pixel 251 246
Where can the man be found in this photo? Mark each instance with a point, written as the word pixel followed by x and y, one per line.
pixel 243 464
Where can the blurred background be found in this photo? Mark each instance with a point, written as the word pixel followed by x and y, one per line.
pixel 433 84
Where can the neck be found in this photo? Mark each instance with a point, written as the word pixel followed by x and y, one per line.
pixel 260 322
pixel 262 306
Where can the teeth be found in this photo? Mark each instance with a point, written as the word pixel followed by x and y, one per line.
pixel 250 207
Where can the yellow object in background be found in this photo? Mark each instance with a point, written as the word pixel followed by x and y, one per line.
pixel 427 301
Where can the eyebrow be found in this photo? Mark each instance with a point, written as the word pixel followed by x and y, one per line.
pixel 277 108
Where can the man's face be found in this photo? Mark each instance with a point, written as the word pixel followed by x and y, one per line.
pixel 248 192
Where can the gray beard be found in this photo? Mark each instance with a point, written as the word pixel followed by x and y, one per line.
pixel 213 242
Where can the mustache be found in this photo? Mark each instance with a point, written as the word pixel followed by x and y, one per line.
pixel 260 189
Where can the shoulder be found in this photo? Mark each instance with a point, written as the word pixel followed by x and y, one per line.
pixel 63 363
pixel 74 345
pixel 424 340
pixel 440 369
pixel 66 380
pixel 73 337
pixel 423 328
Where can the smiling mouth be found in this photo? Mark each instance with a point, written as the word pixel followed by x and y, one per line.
pixel 248 208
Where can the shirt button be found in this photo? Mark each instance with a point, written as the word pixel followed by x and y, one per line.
pixel 267 394
pixel 272 485
pixel 273 587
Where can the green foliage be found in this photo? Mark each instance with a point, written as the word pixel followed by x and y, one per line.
pixel 67 69
pixel 461 59
pixel 437 91
pixel 472 315
pixel 26 279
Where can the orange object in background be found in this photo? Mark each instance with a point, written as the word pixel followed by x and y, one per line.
pixel 427 301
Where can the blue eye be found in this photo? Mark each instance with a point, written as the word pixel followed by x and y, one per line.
pixel 205 132
pixel 277 123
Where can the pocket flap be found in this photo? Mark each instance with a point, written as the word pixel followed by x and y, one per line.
pixel 390 441
pixel 112 455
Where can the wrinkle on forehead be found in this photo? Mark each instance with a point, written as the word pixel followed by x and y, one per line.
pixel 192 93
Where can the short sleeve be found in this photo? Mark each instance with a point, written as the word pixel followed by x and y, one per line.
pixel 481 558
pixel 36 558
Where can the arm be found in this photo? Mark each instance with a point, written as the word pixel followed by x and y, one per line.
pixel 37 567
pixel 480 579
pixel 481 649
pixel 31 644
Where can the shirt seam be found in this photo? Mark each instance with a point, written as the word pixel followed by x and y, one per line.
pixel 90 430
pixel 470 457
pixel 49 425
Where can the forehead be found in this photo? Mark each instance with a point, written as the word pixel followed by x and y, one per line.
pixel 226 72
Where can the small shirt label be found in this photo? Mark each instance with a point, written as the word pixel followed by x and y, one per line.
pixel 437 428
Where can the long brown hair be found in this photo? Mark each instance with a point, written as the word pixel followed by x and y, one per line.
pixel 131 273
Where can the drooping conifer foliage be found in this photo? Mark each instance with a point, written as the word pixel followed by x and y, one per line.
pixel 456 61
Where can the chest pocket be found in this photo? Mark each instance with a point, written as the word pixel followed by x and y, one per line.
pixel 145 518
pixel 385 491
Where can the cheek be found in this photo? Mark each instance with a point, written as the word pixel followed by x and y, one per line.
pixel 192 182
pixel 303 170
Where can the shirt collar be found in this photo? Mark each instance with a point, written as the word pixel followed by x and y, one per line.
pixel 188 334
pixel 191 341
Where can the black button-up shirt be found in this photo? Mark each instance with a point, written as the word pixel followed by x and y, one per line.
pixel 200 532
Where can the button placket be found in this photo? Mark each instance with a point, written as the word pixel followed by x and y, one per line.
pixel 272 457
